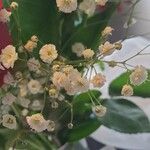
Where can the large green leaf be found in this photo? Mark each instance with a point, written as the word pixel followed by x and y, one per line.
pixel 116 86
pixel 124 116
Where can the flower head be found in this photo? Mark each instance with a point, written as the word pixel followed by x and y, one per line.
pixel 34 86
pixel 78 48
pixel 98 80
pixel 8 56
pixel 101 2
pixel 88 7
pixel 9 121
pixel 8 99
pixel 67 6
pixel 99 110
pixel 13 5
pixel 30 45
pixel 107 31
pixel 138 76
pixel 107 48
pixel 88 53
pixel 127 90
pixel 4 15
pixel 48 53
pixel 37 122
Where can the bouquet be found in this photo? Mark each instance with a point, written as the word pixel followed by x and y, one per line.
pixel 51 92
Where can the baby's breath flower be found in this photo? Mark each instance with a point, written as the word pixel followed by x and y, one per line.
pixel 51 126
pixel 48 53
pixel 88 53
pixel 36 105
pixel 67 6
pixel 24 102
pixel 4 15
pixel 54 105
pixel 70 125
pixel 4 109
pixel 14 5
pixel 34 86
pixel 107 48
pixel 30 45
pixel 107 31
pixel 8 79
pixel 59 79
pixel 37 122
pixel 53 93
pixel 99 110
pixel 8 99
pixel 98 80
pixel 127 90
pixel 34 38
pixel 33 65
pixel 138 76
pixel 78 48
pixel 24 112
pixel 9 121
pixel 101 2
pixel 88 7
pixel 8 56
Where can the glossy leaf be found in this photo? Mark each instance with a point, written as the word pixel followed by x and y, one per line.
pixel 124 116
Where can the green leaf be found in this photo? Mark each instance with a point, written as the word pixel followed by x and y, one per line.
pixel 82 102
pixel 124 116
pixel 116 86
pixel 80 130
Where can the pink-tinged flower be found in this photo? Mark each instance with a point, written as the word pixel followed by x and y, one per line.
pixel 127 90
pixel 4 15
pixel 8 99
pixel 8 79
pixel 37 122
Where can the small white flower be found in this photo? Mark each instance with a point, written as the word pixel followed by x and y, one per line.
pixel 34 86
pixel 98 80
pixel 4 15
pixel 37 122
pixel 33 65
pixel 8 79
pixel 51 126
pixel 88 7
pixel 36 105
pixel 14 5
pixel 101 2
pixel 30 45
pixel 107 48
pixel 107 31
pixel 78 48
pixel 67 6
pixel 24 112
pixel 88 53
pixel 138 76
pixel 48 53
pixel 8 56
pixel 127 90
pixel 24 102
pixel 99 110
pixel 9 121
pixel 59 79
pixel 34 38
pixel 8 99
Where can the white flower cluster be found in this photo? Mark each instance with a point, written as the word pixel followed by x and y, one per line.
pixel 87 6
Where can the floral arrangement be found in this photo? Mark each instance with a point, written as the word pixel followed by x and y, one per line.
pixel 51 92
